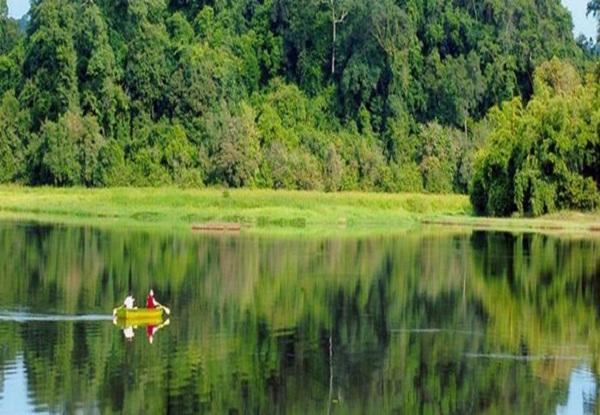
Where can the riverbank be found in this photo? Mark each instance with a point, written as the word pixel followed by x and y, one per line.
pixel 244 210
pixel 252 209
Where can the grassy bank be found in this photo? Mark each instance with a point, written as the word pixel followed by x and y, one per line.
pixel 265 210
pixel 254 209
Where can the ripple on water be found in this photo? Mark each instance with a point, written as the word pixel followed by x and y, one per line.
pixel 24 317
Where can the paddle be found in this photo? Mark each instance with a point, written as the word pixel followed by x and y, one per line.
pixel 167 310
pixel 118 308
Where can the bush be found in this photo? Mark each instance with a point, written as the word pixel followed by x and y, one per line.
pixel 580 193
pixel 111 169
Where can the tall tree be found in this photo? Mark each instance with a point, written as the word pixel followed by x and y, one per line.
pixel 147 63
pixel 12 148
pixel 50 67
pixel 338 10
pixel 101 94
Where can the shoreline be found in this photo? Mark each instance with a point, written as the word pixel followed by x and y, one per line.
pixel 270 211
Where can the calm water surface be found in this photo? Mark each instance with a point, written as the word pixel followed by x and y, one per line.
pixel 430 321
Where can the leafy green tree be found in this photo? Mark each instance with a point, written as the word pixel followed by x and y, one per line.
pixel 333 169
pixel 98 74
pixel 12 148
pixel 438 158
pixel 50 66
pixel 111 169
pixel 10 74
pixel 338 10
pixel 492 188
pixel 346 91
pixel 70 148
pixel 543 157
pixel 237 156
pixel 269 45
pixel 146 72
pixel 305 28
pixel 179 158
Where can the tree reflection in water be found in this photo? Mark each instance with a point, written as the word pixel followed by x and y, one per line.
pixel 435 320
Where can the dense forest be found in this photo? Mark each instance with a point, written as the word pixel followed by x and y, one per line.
pixel 386 95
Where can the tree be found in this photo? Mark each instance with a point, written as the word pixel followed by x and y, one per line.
pixel 339 11
pixel 146 59
pixel 237 156
pixel 542 157
pixel 97 66
pixel 439 158
pixel 70 148
pixel 50 66
pixel 12 148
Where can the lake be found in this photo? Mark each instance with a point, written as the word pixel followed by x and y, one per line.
pixel 430 320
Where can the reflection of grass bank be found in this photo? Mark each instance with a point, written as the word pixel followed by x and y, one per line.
pixel 254 209
pixel 564 222
pixel 265 210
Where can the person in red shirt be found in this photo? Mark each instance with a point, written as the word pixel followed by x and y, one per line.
pixel 150 301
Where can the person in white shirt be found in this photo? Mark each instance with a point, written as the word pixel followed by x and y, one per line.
pixel 128 303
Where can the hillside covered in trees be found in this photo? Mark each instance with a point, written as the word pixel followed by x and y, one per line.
pixel 385 95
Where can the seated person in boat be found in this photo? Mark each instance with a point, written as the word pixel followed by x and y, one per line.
pixel 128 303
pixel 151 301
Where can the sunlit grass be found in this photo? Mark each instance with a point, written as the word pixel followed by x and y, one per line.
pixel 265 210
pixel 255 209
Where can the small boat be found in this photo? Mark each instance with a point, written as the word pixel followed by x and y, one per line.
pixel 141 315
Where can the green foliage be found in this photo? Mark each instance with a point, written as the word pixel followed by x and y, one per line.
pixel 146 72
pixel 9 74
pixel 50 66
pixel 146 167
pixel 439 158
pixel 70 149
pixel 12 149
pixel 111 169
pixel 333 169
pixel 279 174
pixel 237 156
pixel 336 95
pixel 542 157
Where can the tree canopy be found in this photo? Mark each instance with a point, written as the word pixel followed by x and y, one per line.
pixel 335 95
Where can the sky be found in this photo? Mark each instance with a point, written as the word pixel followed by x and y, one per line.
pixel 584 25
pixel 587 26
pixel 17 8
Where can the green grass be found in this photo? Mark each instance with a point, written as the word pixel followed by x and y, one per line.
pixel 255 209
pixel 266 210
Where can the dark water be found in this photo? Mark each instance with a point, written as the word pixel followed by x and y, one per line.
pixel 430 321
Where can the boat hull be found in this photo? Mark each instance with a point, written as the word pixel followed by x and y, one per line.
pixel 144 315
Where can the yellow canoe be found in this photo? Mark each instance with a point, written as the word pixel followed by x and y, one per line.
pixel 140 314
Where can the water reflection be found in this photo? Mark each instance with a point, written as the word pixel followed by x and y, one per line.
pixel 583 393
pixel 150 329
pixel 13 398
pixel 439 321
